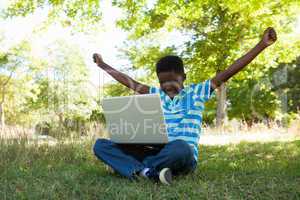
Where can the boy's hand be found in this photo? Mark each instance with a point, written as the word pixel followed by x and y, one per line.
pixel 121 77
pixel 97 59
pixel 269 37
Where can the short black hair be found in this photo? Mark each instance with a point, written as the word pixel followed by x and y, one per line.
pixel 170 63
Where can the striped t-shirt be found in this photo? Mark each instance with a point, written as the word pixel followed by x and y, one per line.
pixel 183 113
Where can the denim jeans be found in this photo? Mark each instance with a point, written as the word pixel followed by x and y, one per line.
pixel 129 159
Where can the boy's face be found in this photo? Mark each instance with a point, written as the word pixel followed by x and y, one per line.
pixel 171 82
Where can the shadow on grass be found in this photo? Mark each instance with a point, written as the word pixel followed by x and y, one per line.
pixel 71 171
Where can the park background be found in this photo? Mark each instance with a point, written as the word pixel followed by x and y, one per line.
pixel 51 93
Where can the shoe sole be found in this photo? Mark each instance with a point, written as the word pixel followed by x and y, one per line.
pixel 165 176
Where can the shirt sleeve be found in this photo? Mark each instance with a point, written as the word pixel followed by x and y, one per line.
pixel 203 90
pixel 154 90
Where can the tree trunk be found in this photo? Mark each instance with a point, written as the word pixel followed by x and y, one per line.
pixel 221 107
pixel 61 120
pixel 3 90
pixel 2 119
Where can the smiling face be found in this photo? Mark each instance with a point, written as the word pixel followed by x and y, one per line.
pixel 171 82
pixel 170 73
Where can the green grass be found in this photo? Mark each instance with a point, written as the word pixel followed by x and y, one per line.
pixel 70 171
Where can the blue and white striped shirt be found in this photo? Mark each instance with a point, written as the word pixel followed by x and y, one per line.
pixel 183 114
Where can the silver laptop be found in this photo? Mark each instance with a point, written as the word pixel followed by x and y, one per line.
pixel 135 119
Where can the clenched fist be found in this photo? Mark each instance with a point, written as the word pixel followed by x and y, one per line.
pixel 269 37
pixel 97 59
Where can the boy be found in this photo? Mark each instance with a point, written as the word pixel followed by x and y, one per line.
pixel 182 107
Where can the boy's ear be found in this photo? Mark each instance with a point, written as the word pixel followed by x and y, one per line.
pixel 184 76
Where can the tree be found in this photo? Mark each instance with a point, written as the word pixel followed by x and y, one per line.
pixel 12 64
pixel 253 100
pixel 63 94
pixel 219 32
pixel 116 89
pixel 4 80
pixel 76 13
pixel 286 82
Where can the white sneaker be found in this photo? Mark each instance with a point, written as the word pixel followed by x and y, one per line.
pixel 109 169
pixel 165 176
pixel 144 172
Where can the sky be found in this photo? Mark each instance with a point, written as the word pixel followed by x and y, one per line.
pixel 107 42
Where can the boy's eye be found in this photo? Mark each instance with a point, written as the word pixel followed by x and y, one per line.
pixel 172 81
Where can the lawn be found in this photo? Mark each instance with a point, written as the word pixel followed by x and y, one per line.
pixel 70 171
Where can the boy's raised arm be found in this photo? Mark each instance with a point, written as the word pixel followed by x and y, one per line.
pixel 121 77
pixel 268 38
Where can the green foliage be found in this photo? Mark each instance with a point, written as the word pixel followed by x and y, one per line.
pixel 77 13
pixel 97 116
pixel 265 97
pixel 50 93
pixel 14 81
pixel 289 118
pixel 63 90
pixel 209 114
pixel 54 90
pixel 116 89
pixel 286 82
pixel 14 112
pixel 145 57
pixel 252 100
pixel 3 58
pixel 218 33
